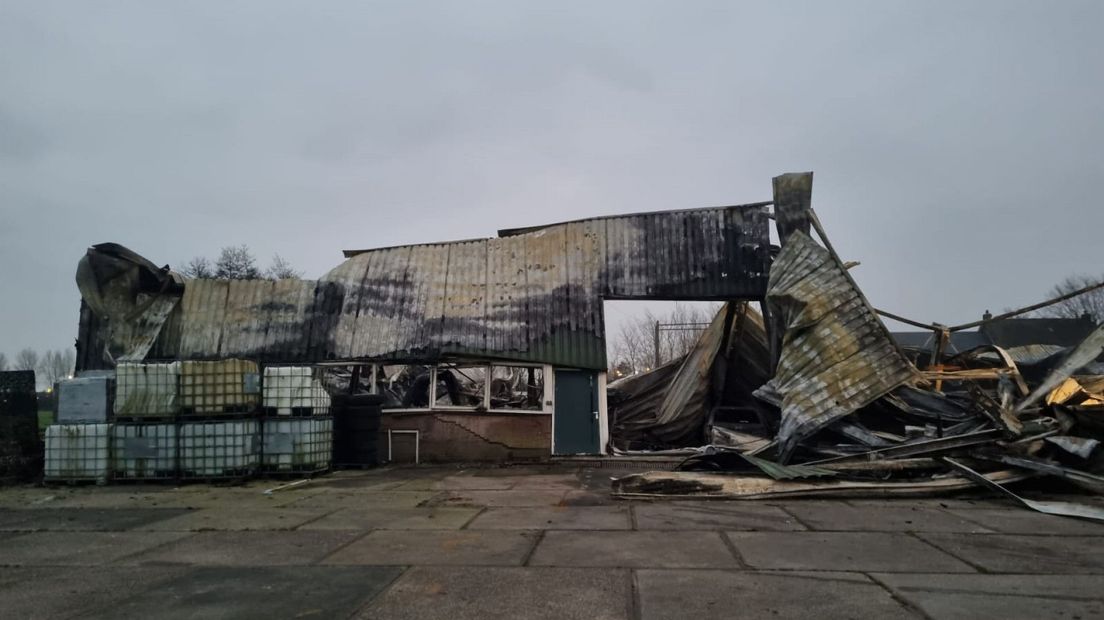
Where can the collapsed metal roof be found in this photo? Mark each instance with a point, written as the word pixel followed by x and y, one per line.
pixel 530 295
pixel 837 355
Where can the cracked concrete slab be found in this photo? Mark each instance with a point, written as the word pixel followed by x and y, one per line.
pixel 1014 553
pixel 721 595
pixel 480 593
pixel 968 606
pixel 83 519
pixel 260 593
pixel 633 549
pixel 55 592
pixel 437 547
pixel 237 519
pixel 528 497
pixel 554 518
pixel 383 518
pixel 1017 520
pixel 269 548
pixel 1054 586
pixel 839 516
pixel 79 548
pixel 718 516
pixel 842 551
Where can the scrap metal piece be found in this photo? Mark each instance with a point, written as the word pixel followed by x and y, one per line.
pixel 836 356
pixel 1064 509
pixel 695 485
pixel 917 448
pixel 1084 353
pixel 1078 446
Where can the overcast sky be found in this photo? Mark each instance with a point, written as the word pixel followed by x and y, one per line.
pixel 958 146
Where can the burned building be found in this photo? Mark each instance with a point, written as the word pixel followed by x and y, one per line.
pixel 490 349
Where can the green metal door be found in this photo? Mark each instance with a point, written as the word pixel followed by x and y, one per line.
pixel 575 419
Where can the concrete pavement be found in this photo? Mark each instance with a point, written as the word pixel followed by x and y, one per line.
pixel 535 542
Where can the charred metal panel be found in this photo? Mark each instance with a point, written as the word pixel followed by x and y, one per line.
pixel 204 312
pixel 532 296
pixel 837 356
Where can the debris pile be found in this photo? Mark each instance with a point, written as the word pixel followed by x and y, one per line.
pixel 816 398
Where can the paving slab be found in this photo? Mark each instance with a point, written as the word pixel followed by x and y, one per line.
pixel 709 594
pixel 713 516
pixel 437 547
pixel 554 518
pixel 247 549
pixel 237 518
pixel 260 593
pixel 79 548
pixel 478 593
pixel 967 606
pixel 64 592
pixel 840 516
pixel 1021 521
pixel 842 551
pixel 1085 587
pixel 1014 553
pixel 83 519
pixel 527 497
pixel 999 596
pixel 458 483
pixel 384 518
pixel 633 549
pixel 365 499
pixel 565 481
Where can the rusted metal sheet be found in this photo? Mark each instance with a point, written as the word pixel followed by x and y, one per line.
pixel 836 355
pixel 527 296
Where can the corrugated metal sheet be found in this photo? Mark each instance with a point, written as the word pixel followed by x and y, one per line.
pixel 529 296
pixel 836 356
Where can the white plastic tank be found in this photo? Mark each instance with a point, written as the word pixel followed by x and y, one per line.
pixel 298 444
pixel 144 451
pixel 294 390
pixel 219 449
pixel 77 452
pixel 147 389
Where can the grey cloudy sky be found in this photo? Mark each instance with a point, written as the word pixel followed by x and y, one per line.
pixel 957 145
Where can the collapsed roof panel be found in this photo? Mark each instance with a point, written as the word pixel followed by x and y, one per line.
pixel 837 356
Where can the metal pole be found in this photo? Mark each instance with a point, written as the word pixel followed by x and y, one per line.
pixel 656 342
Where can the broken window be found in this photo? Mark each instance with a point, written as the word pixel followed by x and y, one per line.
pixel 460 385
pixel 517 387
pixel 404 387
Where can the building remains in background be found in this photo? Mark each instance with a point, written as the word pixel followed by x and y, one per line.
pixel 495 350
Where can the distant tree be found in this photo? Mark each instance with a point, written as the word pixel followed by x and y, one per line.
pixel 27 359
pixel 57 365
pixel 3 362
pixel 280 269
pixel 199 268
pixel 1091 303
pixel 633 348
pixel 236 263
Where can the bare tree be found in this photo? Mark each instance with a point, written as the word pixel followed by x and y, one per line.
pixel 27 359
pixel 633 348
pixel 236 263
pixel 1091 303
pixel 3 362
pixel 57 365
pixel 199 267
pixel 280 269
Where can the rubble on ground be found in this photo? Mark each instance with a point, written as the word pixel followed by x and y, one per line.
pixel 817 398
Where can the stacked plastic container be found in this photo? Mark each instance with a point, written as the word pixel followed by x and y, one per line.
pixel 76 452
pixel 298 428
pixel 219 432
pixel 147 401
